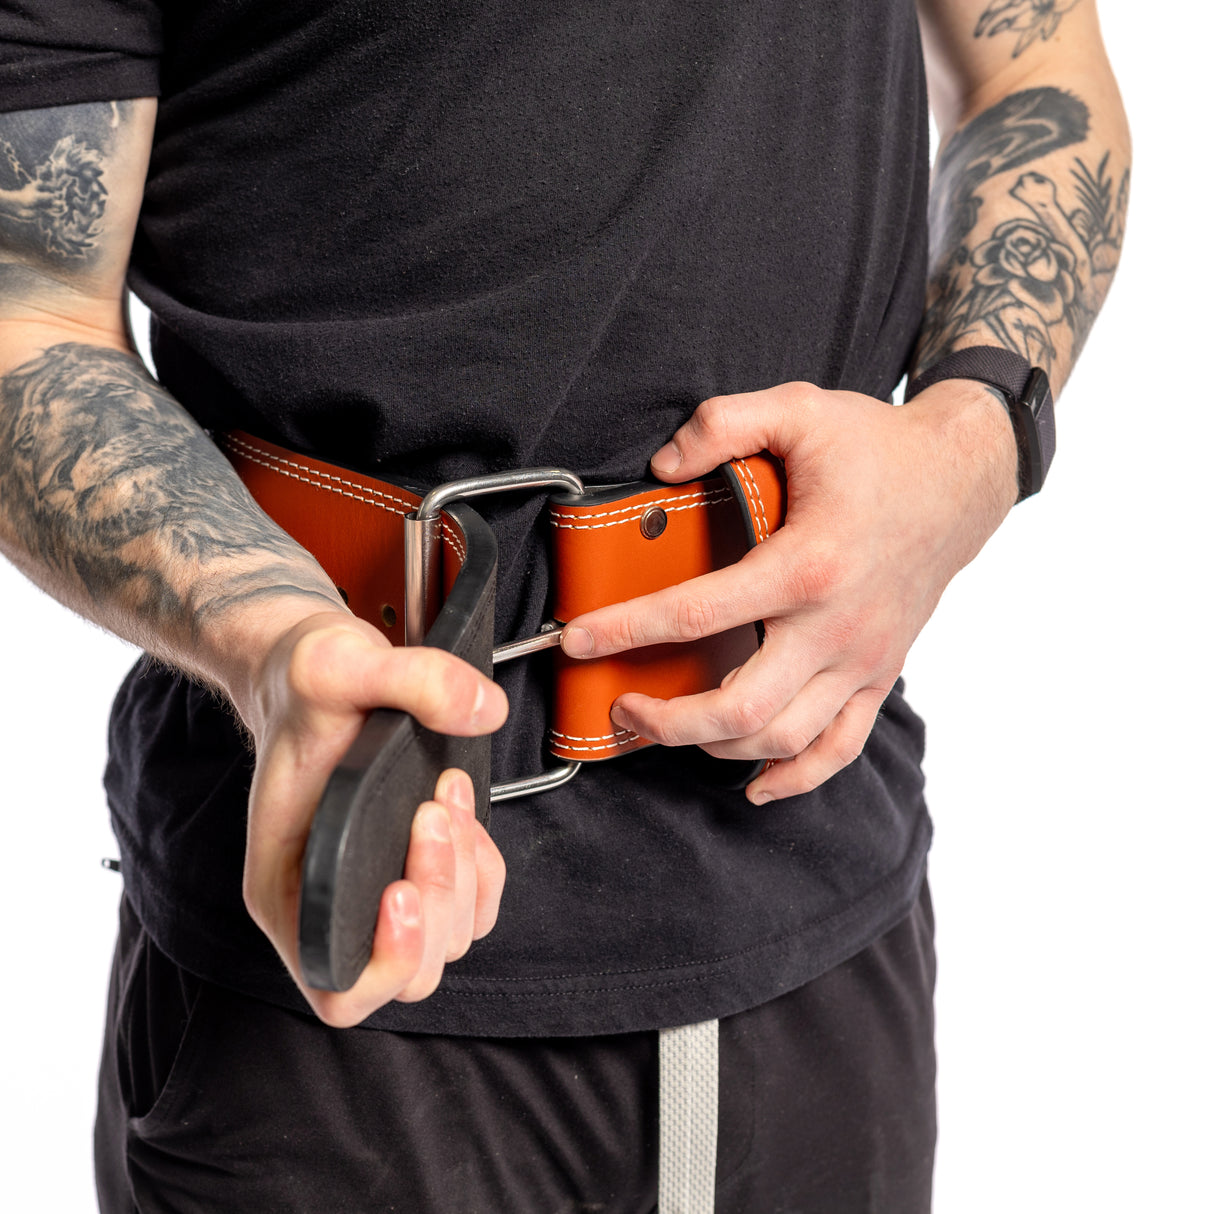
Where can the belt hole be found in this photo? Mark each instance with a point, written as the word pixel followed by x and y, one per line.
pixel 388 614
pixel 653 522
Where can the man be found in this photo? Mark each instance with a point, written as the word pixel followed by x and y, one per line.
pixel 446 241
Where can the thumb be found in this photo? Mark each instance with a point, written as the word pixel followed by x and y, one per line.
pixel 337 668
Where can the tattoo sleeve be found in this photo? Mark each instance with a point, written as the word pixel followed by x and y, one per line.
pixel 106 480
pixel 111 496
pixel 1027 220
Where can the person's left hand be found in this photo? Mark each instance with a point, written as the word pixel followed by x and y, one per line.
pixel 885 505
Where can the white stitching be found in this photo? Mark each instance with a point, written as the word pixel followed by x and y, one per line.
pixel 750 485
pixel 273 462
pixel 636 513
pixel 274 467
pixel 682 497
pixel 762 503
pixel 593 737
pixel 276 463
pixel 748 488
pixel 624 741
pixel 452 539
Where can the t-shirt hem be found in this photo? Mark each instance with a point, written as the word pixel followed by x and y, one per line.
pixel 40 81
pixel 592 1004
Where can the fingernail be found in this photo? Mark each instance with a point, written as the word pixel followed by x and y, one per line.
pixel 759 798
pixel 406 907
pixel 436 824
pixel 667 460
pixel 621 718
pixel 478 703
pixel 577 643
pixel 460 793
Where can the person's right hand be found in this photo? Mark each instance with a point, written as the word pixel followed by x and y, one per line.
pixel 310 700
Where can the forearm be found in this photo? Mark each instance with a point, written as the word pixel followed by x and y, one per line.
pixel 114 501
pixel 111 496
pixel 1030 187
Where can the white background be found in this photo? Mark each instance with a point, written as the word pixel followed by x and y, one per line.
pixel 1064 680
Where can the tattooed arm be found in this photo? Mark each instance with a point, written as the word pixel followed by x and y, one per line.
pixel 886 505
pixel 1031 184
pixel 111 497
pixel 113 500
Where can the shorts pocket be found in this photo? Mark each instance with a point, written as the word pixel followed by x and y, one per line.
pixel 158 1028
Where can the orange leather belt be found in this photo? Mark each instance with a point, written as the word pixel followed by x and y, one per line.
pixel 608 544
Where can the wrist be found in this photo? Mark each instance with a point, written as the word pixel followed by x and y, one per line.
pixel 1026 396
pixel 969 423
pixel 250 654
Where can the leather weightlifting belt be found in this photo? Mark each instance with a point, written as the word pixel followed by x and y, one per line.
pixel 422 567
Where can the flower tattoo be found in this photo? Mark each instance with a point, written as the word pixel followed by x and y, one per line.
pixel 1023 260
pixel 1030 19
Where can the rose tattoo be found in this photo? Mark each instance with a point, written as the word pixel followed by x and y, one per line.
pixel 1022 260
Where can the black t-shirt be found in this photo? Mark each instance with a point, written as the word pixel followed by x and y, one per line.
pixel 444 237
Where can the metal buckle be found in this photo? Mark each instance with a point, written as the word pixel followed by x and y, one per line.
pixel 423 535
pixel 548 637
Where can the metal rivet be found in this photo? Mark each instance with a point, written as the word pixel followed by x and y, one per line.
pixel 653 522
pixel 388 615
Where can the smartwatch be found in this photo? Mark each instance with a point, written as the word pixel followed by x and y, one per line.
pixel 1026 394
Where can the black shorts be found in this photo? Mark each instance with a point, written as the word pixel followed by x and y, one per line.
pixel 213 1102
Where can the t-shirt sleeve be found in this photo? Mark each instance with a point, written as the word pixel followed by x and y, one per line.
pixel 63 52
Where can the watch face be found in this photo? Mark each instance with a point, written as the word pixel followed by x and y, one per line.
pixel 1036 392
pixel 1028 443
pixel 1038 403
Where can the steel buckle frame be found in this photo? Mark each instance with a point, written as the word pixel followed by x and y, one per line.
pixel 423 552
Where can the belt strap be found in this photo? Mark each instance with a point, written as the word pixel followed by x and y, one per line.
pixel 688 1104
pixel 627 540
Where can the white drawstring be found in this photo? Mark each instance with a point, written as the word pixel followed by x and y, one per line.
pixel 687 1149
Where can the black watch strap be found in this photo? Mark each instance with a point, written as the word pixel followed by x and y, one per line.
pixel 1026 392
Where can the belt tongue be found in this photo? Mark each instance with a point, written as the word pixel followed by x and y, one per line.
pixel 548 637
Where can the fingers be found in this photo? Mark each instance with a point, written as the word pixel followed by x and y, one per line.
pixel 405 960
pixel 449 896
pixel 448 851
pixel 780 576
pixel 751 717
pixel 813 734
pixel 749 698
pixel 846 583
pixel 405 954
pixel 838 745
pixel 727 427
pixel 480 873
pixel 491 880
pixel 433 867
